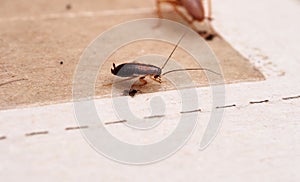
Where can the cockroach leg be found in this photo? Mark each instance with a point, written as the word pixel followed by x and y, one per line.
pixel 212 31
pixel 156 78
pixel 139 83
pixel 182 15
pixel 190 22
pixel 202 32
pixel 208 35
pixel 158 9
pixel 142 81
pixel 131 92
pixel 174 4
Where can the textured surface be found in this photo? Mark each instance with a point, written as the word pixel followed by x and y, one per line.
pixel 34 41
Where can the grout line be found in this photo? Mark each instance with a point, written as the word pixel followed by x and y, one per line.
pixel 130 11
pixel 37 133
pixel 186 112
pixel 226 106
pixel 76 127
pixel 292 97
pixel 258 102
pixel 12 81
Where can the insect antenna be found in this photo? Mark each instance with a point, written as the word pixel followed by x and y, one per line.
pixel 187 69
pixel 173 51
pixel 191 69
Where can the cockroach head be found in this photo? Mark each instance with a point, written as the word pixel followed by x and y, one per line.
pixel 113 70
pixel 156 76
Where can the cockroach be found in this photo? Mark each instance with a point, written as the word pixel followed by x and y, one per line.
pixel 134 70
pixel 195 8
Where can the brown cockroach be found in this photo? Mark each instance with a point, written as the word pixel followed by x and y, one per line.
pixel 134 70
pixel 195 8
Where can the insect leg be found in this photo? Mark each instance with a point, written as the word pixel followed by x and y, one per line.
pixel 158 9
pixel 209 10
pixel 184 16
pixel 211 32
pixel 139 83
pixel 204 34
pixel 132 92
pixel 158 2
pixel 157 79
pixel 142 81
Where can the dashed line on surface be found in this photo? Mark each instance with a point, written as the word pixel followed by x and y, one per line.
pixel 154 116
pixel 226 106
pixel 186 112
pixel 292 97
pixel 36 133
pixel 115 122
pixel 259 102
pixel 76 127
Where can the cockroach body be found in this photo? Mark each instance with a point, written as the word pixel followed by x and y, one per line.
pixel 195 9
pixel 133 70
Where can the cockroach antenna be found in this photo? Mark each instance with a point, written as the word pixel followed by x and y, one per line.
pixel 173 51
pixel 186 69
pixel 190 69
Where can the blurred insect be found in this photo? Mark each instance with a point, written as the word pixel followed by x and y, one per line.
pixel 195 8
pixel 134 70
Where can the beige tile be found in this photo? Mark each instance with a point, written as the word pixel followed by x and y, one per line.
pixel 31 52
